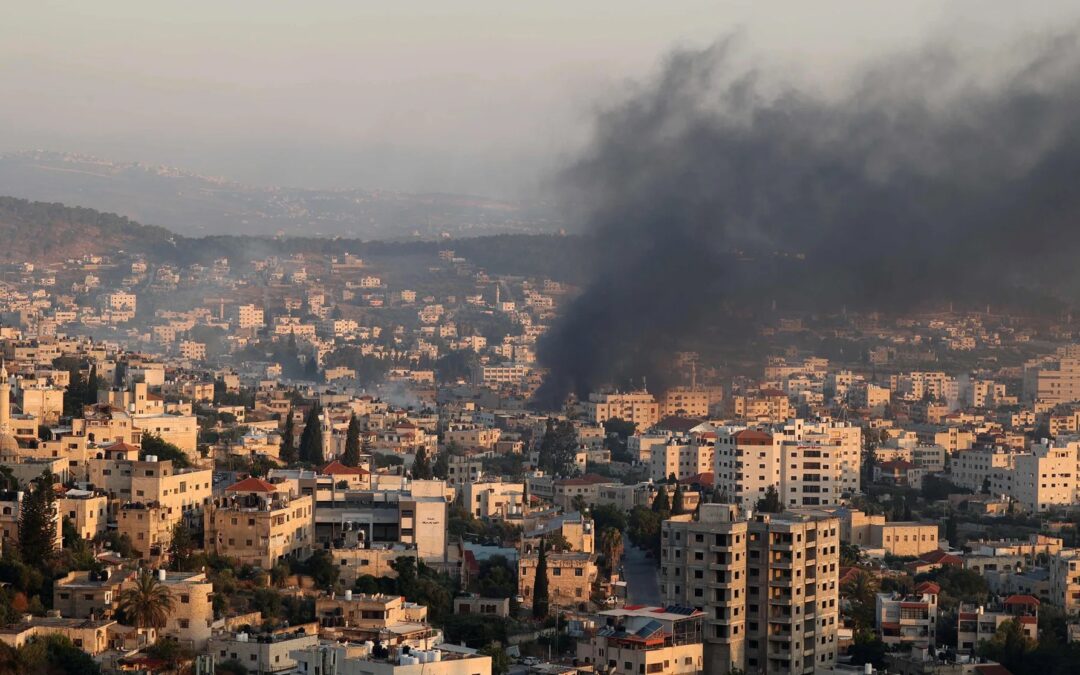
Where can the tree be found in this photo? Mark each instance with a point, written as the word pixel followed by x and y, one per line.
pixel 155 445
pixel 148 603
pixel 287 452
pixel 321 568
pixel 230 667
pixel 500 662
pixel 608 515
pixel 182 547
pixel 558 448
pixel 850 555
pixel 643 528
pixel 579 504
pixel 678 502
pixel 421 468
pixel 867 648
pixel 540 585
pixel 558 543
pixel 47 654
pixel 37 521
pixel 441 467
pixel 311 441
pixel 770 503
pixel 1009 646
pixel 861 590
pixel 952 531
pixel 661 505
pixel 351 456
pixel 611 545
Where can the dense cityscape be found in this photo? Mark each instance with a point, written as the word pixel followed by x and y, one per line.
pixel 301 464
pixel 481 338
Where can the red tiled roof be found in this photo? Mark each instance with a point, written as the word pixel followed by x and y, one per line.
pixel 753 437
pixel 677 423
pixel 1022 600
pixel 941 557
pixel 121 446
pixel 896 465
pixel 928 587
pixel 336 468
pixel 252 484
pixel 704 478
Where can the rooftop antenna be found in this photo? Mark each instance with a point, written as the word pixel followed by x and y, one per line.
pixel 644 384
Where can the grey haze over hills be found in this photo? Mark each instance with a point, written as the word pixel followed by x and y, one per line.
pixel 195 205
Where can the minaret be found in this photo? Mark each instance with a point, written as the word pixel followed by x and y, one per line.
pixel 5 401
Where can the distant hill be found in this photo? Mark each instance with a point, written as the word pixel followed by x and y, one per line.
pixel 42 232
pixel 194 205
pixel 48 232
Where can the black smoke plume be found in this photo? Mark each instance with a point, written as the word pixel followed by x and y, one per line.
pixel 716 189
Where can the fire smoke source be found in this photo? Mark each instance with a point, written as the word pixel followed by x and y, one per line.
pixel 715 188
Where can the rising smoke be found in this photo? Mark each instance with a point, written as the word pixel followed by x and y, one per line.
pixel 718 188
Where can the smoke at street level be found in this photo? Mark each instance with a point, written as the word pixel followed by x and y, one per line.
pixel 718 188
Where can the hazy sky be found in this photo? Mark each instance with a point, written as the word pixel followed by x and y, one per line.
pixel 481 96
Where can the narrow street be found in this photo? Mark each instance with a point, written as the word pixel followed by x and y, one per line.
pixel 642 578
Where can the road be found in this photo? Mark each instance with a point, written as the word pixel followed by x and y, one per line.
pixel 642 578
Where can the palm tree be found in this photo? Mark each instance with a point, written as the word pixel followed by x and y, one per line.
pixel 861 590
pixel 611 545
pixel 148 603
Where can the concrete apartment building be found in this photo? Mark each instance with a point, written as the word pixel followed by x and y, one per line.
pixel 978 623
pixel 332 658
pixel 264 653
pixel 684 402
pixel 412 513
pixel 260 524
pixel 766 406
pixel 972 468
pixel 192 613
pixel 909 620
pixel 1042 479
pixel 769 586
pixel 919 385
pixel 355 559
pixel 570 579
pixel 87 511
pixel 250 316
pixel 82 594
pixel 1064 582
pixel 494 499
pixel 638 407
pixel 472 436
pixel 683 456
pixel 809 463
pixel 1053 380
pixel 646 640
pixel 893 538
pixel 474 604
pixel 358 610
pixel 149 526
